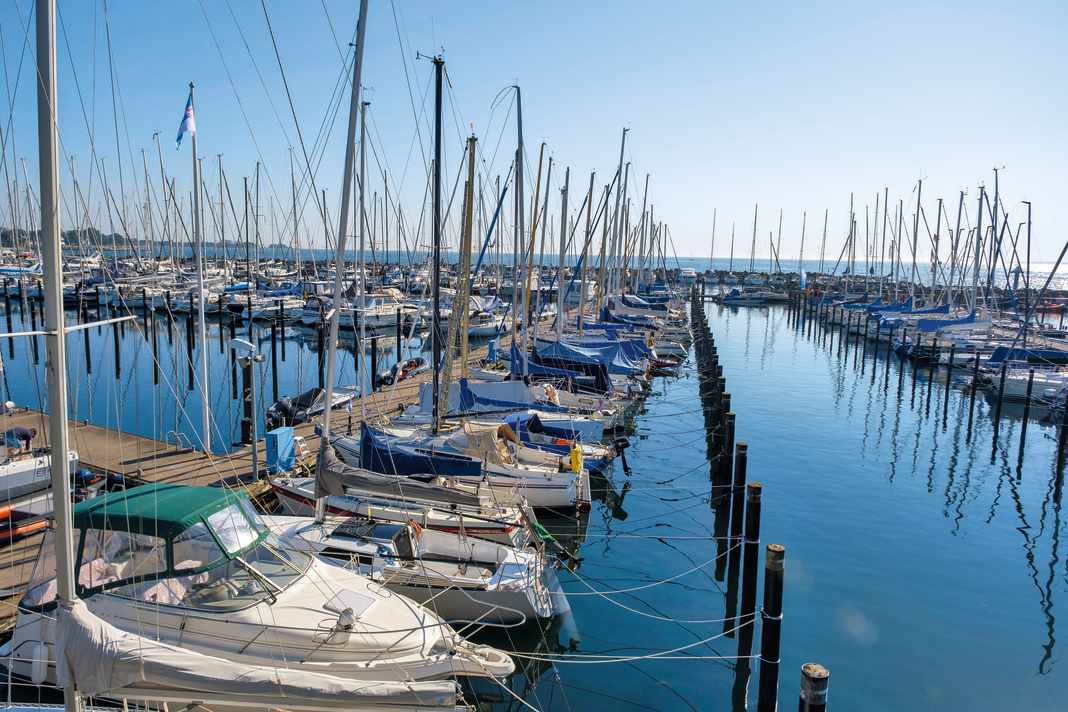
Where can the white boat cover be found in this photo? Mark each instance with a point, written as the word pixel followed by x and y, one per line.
pixel 99 658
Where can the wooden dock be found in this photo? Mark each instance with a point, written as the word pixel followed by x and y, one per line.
pixel 133 456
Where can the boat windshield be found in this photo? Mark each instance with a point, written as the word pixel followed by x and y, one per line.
pixel 227 561
pixel 245 580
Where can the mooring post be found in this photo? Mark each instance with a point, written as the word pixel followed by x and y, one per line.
pixel 281 319
pixel 721 485
pixel 1027 410
pixel 771 628
pixel 741 461
pixel 997 406
pixel 155 355
pixel 930 373
pixel 144 305
pixel 274 360
pixel 170 322
pixel 33 327
pixel 399 340
pixel 864 348
pixel 246 402
pixel 734 553
pixel 750 553
pixel 189 345
pixel 374 362
pixel 222 333
pixel 971 397
pixel 117 349
pixel 1062 438
pixel 949 379
pixel 815 681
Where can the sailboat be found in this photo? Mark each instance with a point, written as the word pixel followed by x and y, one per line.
pixel 167 592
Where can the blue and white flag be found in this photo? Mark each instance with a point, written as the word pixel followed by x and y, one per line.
pixel 189 122
pixel 804 278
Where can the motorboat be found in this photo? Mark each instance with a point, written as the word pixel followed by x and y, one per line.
pixel 196 568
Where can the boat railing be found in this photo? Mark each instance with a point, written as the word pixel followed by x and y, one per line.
pixel 181 440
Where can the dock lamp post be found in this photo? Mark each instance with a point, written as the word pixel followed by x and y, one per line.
pixel 247 355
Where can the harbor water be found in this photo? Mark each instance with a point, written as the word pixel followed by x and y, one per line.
pixel 923 564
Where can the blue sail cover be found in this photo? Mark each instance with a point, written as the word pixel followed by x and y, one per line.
pixel 940 309
pixel 634 349
pixel 878 306
pixel 536 369
pixel 929 325
pixel 613 357
pixel 388 454
pixel 472 401
pixel 1004 353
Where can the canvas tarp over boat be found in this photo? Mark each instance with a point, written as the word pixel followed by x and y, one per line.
pixel 613 357
pixel 100 659
pixel 334 477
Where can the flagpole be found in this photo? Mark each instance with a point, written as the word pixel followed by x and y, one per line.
pixel 202 329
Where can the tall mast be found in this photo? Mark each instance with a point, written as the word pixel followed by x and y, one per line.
pixel 55 338
pixel 517 231
pixel 934 261
pixel 712 248
pixel 752 249
pixel 978 249
pixel 435 330
pixel 953 253
pixel 730 264
pixel 615 212
pixel 466 278
pixel 339 256
pixel 882 242
pixel 362 266
pixel 222 219
pixel 202 329
pixel 916 232
pixel 544 219
pixel 524 318
pixel 801 252
pixel 778 243
pixel 645 227
pixel 563 247
pixel 585 250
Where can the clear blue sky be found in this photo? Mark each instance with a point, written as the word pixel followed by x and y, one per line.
pixel 789 105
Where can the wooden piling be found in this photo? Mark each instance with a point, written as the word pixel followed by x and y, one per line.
pixel 971 396
pixel 741 461
pixel 281 320
pixel 170 322
pixel 750 553
pixel 117 348
pixel 399 339
pixel 274 361
pixel 155 354
pixel 949 380
pixel 815 681
pixel 721 484
pixel 1027 410
pixel 771 628
pixel 997 406
pixel 33 340
pixel 373 375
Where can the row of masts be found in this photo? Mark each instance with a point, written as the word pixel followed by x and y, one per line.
pixel 885 255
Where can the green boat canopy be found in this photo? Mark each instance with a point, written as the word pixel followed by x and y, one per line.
pixel 157 509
